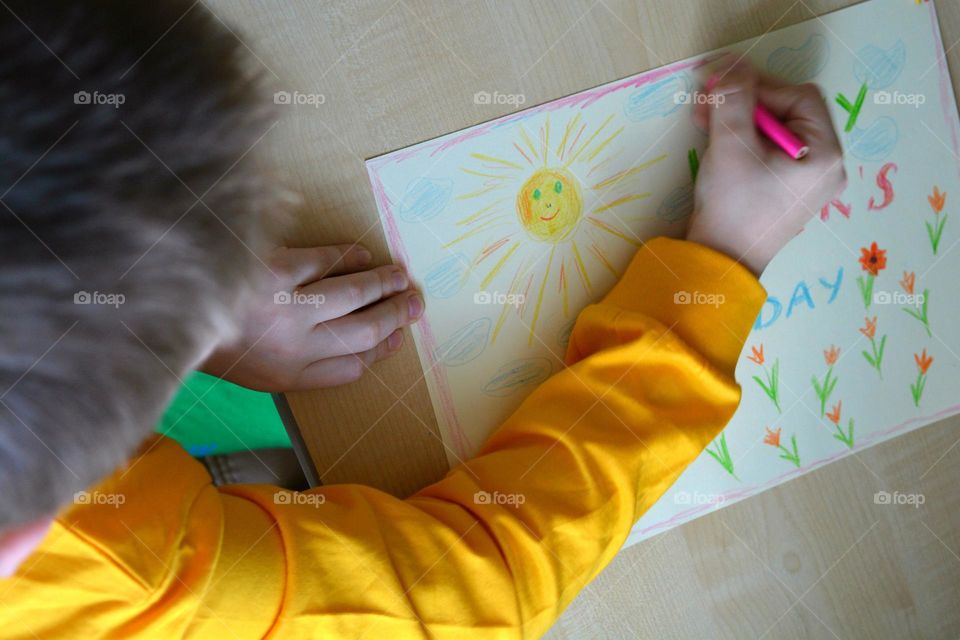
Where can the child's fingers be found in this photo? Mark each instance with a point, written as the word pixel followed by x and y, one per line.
pixel 701 114
pixel 767 81
pixel 331 372
pixel 302 266
pixel 803 109
pixel 336 297
pixel 732 128
pixel 364 330
pixel 707 77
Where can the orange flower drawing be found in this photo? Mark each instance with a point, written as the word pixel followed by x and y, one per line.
pixel 919 308
pixel 876 357
pixel 823 388
pixel 792 454
pixel 938 200
pixel 874 259
pixel 923 361
pixel 772 385
pixel 923 365
pixel 935 229
pixel 834 414
pixel 830 355
pixel 909 281
pixel 772 438
pixel 843 434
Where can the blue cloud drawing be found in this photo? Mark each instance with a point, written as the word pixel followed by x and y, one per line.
pixel 425 198
pixel 878 67
pixel 446 277
pixel 657 99
pixel 520 373
pixel 800 64
pixel 466 344
pixel 875 142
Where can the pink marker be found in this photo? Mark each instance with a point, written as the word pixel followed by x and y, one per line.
pixel 778 132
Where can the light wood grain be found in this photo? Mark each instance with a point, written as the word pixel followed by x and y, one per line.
pixel 813 559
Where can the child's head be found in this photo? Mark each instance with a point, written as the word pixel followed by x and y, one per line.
pixel 129 213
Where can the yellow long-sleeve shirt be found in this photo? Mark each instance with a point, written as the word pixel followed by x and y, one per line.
pixel 496 549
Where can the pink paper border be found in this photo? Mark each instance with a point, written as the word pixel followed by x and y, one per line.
pixel 583 99
pixel 726 499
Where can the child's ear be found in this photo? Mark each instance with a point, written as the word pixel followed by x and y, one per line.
pixel 18 543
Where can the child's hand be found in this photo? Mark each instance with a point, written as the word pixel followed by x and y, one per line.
pixel 751 197
pixel 321 324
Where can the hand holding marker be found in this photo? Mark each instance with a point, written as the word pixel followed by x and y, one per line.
pixel 750 197
pixel 775 130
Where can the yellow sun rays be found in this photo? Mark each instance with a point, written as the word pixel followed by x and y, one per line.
pixel 540 197
pixel 627 173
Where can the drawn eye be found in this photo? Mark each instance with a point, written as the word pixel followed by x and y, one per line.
pixel 536 194
pixel 558 187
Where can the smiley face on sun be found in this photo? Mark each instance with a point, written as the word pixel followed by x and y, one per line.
pixel 549 204
pixel 546 210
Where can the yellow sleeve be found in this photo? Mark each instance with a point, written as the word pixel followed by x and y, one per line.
pixel 496 549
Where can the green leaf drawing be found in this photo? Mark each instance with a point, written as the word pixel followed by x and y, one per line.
pixel 846 437
pixel 771 386
pixel 921 314
pixel 866 289
pixel 935 232
pixel 722 454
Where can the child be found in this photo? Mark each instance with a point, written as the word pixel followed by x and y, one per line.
pixel 139 193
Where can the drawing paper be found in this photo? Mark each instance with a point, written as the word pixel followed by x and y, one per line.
pixel 512 226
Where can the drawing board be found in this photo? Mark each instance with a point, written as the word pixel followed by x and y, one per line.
pixel 512 226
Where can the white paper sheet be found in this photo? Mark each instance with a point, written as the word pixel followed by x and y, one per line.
pixel 512 226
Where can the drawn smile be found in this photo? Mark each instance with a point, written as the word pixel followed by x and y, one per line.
pixel 549 218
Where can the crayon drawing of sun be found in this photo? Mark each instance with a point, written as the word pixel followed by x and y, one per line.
pixel 546 209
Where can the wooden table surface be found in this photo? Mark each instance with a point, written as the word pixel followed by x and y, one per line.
pixel 815 558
